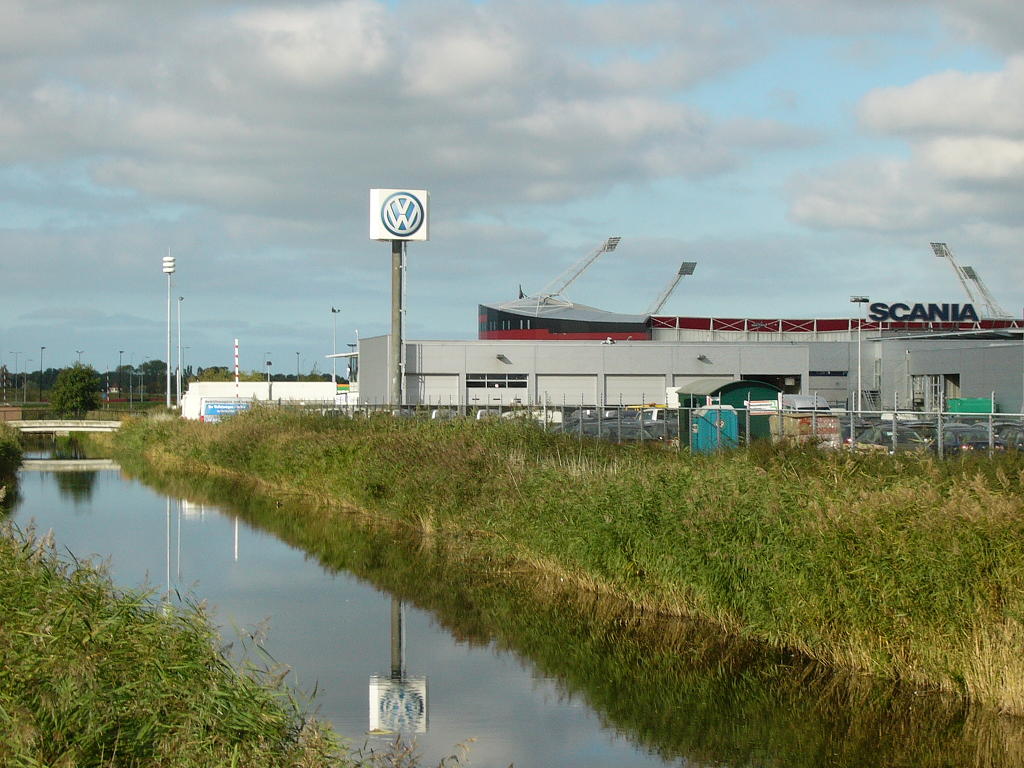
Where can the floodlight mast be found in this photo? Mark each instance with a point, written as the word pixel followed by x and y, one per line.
pixel 686 268
pixel 563 281
pixel 990 307
pixel 943 252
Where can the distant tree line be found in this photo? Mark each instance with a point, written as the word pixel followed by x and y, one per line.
pixel 125 383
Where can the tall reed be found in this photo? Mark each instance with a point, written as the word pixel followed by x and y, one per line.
pixel 94 676
pixel 902 567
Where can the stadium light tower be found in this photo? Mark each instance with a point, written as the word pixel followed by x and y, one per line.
pixel 686 268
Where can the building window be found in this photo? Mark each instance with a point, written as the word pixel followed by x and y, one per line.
pixel 496 380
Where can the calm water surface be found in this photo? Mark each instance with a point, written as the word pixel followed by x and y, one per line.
pixel 563 683
pixel 331 628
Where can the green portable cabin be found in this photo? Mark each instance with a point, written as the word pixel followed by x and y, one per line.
pixel 970 405
pixel 724 390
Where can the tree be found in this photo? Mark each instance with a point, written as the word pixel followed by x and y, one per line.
pixel 76 390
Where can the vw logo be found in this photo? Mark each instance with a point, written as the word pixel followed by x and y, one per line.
pixel 402 214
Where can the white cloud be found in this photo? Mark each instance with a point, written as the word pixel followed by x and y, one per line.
pixel 975 158
pixel 999 23
pixel 322 44
pixel 462 62
pixel 964 133
pixel 951 102
pixel 869 194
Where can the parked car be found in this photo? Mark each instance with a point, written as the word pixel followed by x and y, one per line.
pixel 910 438
pixel 962 438
pixel 1011 433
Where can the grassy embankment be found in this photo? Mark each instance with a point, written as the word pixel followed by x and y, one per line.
pixel 92 675
pixel 10 460
pixel 906 568
pixel 674 687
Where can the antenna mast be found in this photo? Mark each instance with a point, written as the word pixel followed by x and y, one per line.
pixel 686 268
pixel 563 281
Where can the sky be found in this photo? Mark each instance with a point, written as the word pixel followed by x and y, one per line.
pixel 800 151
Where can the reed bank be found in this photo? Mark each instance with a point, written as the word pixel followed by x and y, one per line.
pixel 906 568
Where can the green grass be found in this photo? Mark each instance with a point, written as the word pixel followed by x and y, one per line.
pixel 673 687
pixel 10 451
pixel 10 460
pixel 93 676
pixel 901 567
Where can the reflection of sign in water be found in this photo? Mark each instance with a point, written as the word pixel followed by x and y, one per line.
pixel 398 706
pixel 215 410
pixel 191 510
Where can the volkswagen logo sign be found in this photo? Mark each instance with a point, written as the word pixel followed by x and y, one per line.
pixel 402 214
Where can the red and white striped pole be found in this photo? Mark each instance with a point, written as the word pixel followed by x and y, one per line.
pixel 236 367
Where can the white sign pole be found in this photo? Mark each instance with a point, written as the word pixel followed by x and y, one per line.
pixel 398 216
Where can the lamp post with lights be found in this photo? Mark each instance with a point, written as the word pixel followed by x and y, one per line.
pixel 861 300
pixel 168 269
pixel 41 373
pixel 178 390
pixel 334 346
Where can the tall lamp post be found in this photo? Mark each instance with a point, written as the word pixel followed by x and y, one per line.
pixel 15 375
pixel 120 374
pixel 168 268
pixel 334 346
pixel 270 393
pixel 178 390
pixel 41 373
pixel 861 300
pixel 296 367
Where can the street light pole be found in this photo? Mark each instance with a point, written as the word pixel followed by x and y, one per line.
pixel 168 269
pixel 334 346
pixel 41 373
pixel 861 300
pixel 15 375
pixel 296 367
pixel 178 391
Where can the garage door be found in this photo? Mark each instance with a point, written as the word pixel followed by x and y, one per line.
pixel 634 390
pixel 570 389
pixel 432 389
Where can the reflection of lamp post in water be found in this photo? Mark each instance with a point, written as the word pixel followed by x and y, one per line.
pixel 398 703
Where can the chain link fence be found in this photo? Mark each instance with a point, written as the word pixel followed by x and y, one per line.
pixel 713 427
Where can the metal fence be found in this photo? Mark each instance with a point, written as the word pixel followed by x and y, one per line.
pixel 714 427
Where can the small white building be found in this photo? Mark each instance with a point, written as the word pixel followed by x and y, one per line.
pixel 207 400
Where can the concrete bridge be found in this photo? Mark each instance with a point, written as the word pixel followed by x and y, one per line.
pixel 64 426
pixel 68 465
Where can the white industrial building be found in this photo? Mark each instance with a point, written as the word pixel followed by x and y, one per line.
pixel 895 371
pixel 546 349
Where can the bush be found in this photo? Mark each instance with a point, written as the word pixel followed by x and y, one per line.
pixel 76 391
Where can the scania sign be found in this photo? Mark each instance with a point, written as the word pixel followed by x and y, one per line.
pixel 952 313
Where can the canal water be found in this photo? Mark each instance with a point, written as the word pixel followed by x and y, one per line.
pixel 398 637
